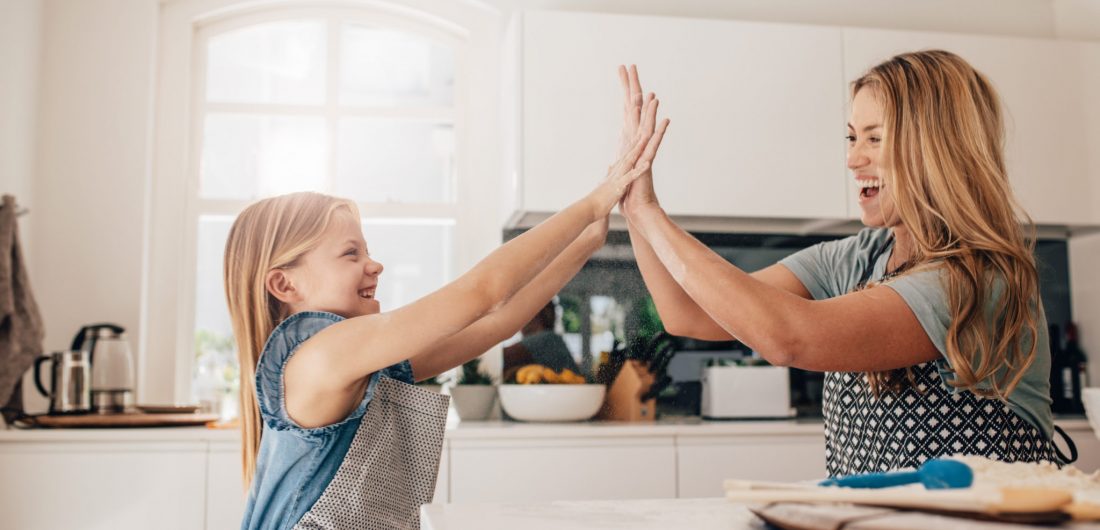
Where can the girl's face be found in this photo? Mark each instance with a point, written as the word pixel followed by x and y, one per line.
pixel 338 276
pixel 866 161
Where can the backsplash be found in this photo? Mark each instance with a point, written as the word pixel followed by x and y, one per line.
pixel 607 299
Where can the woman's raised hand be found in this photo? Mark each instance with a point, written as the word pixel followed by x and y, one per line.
pixel 639 145
pixel 634 123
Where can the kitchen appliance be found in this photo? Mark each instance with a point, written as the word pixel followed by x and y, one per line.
pixel 742 392
pixel 70 382
pixel 112 366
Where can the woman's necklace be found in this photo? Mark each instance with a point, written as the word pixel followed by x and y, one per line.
pixel 897 270
pixel 888 274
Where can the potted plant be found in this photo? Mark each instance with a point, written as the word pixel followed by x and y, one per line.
pixel 473 393
pixel 435 384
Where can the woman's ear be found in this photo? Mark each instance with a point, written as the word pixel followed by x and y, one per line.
pixel 280 285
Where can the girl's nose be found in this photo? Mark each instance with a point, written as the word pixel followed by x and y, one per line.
pixel 373 268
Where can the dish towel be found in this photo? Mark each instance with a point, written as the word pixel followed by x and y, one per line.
pixel 21 330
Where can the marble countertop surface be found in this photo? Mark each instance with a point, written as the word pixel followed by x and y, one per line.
pixel 656 514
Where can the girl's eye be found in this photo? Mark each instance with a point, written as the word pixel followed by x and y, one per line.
pixel 850 138
pixel 875 140
pixel 352 252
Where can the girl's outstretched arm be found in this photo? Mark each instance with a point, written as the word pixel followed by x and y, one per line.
pixel 504 322
pixel 327 374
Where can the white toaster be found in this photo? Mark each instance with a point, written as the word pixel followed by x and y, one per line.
pixel 734 392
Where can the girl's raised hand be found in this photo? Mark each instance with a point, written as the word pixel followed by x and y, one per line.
pixel 639 146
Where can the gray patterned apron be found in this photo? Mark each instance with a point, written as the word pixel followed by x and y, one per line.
pixel 865 434
pixel 390 469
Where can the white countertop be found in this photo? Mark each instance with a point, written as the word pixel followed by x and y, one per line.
pixel 656 514
pixel 474 431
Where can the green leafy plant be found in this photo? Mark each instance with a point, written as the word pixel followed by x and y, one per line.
pixel 570 313
pixel 431 381
pixel 472 374
pixel 649 321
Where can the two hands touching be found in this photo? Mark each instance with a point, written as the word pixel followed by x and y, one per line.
pixel 629 181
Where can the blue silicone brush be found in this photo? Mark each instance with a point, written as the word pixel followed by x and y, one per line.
pixel 935 474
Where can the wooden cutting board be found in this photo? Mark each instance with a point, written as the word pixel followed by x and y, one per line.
pixel 797 516
pixel 130 419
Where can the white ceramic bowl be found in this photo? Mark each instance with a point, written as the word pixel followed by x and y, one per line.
pixel 557 402
pixel 1091 398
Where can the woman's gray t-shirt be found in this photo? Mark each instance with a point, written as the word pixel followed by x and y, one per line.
pixel 834 268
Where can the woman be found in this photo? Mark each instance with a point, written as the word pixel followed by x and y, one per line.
pixel 928 323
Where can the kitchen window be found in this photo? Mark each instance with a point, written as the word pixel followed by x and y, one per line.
pixel 357 104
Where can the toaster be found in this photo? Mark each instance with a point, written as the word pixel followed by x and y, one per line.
pixel 744 392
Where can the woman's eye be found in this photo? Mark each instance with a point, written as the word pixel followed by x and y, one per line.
pixel 874 140
pixel 850 138
pixel 352 252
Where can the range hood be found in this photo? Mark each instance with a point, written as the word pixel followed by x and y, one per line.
pixel 522 220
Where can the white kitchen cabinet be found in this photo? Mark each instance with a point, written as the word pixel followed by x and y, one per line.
pixel 103 486
pixel 1086 60
pixel 706 461
pixel 757 112
pixel 562 469
pixel 1048 151
pixel 225 496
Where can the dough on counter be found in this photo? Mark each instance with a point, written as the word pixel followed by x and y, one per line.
pixel 997 474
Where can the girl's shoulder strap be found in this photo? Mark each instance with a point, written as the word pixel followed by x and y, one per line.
pixel 280 346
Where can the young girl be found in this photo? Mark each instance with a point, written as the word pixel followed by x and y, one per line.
pixel 928 323
pixel 334 434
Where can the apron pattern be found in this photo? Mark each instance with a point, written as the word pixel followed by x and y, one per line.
pixel 391 466
pixel 866 434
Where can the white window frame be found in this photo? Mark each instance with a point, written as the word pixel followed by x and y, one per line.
pixel 166 335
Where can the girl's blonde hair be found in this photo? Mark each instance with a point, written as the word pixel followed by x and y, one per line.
pixel 270 234
pixel 944 147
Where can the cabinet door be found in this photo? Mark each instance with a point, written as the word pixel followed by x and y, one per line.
pixel 757 112
pixel 705 462
pixel 108 486
pixel 225 496
pixel 1046 147
pixel 562 469
pixel 1087 66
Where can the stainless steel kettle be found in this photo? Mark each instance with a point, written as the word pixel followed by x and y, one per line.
pixel 70 382
pixel 112 366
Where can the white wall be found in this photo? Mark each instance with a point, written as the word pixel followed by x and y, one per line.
pixel 92 163
pixel 95 121
pixel 20 35
pixel 1075 19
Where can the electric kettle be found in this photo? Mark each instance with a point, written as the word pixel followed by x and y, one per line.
pixel 112 366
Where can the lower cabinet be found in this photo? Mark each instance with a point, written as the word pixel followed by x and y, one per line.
pixel 704 462
pixel 103 486
pixel 225 495
pixel 533 470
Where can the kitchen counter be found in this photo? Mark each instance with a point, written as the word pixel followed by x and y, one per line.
pixel 479 430
pixel 656 514
pixel 650 514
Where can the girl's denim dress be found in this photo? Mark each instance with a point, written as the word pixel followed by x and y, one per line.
pixel 373 469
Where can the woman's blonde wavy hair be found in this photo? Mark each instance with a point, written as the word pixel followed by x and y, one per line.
pixel 944 149
pixel 270 234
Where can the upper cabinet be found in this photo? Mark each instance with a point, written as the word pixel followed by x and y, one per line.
pixel 757 112
pixel 1043 84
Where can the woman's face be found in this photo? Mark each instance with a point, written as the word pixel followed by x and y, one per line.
pixel 866 161
pixel 338 276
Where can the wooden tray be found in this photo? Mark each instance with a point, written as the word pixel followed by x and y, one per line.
pixel 795 516
pixel 130 419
